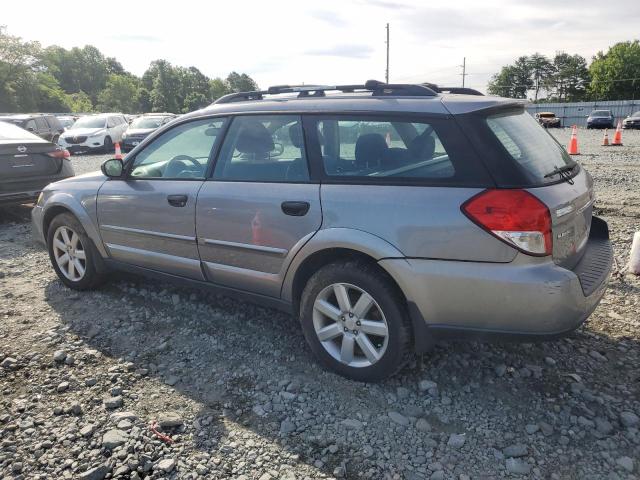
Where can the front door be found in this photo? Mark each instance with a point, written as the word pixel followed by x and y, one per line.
pixel 147 218
pixel 259 208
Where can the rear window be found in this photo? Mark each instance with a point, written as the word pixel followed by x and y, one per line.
pixel 601 113
pixel 534 150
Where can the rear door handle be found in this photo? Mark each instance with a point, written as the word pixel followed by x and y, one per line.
pixel 295 209
pixel 177 200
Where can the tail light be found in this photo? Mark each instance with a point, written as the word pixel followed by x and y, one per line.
pixel 514 216
pixel 59 153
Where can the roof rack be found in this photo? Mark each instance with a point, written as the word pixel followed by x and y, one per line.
pixel 455 90
pixel 378 89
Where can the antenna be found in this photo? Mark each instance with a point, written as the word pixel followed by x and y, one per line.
pixel 464 69
pixel 386 75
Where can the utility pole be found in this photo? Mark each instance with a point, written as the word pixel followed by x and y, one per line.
pixel 464 69
pixel 387 72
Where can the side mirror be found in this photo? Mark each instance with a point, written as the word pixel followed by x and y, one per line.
pixel 113 168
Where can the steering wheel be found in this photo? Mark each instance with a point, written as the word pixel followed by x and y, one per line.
pixel 174 164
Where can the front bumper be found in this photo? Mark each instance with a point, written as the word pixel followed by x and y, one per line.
pixel 527 299
pixel 130 143
pixel 36 225
pixel 631 125
pixel 91 143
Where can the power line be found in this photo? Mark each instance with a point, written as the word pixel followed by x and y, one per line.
pixel 387 72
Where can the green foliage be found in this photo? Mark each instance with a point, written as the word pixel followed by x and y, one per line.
pixel 564 78
pixel 59 80
pixel 615 75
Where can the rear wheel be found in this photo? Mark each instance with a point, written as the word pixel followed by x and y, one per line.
pixel 72 253
pixel 355 321
pixel 107 147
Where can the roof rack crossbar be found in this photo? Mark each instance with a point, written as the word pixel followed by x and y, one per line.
pixel 376 87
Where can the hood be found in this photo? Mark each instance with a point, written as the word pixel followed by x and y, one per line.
pixel 89 177
pixel 139 131
pixel 81 132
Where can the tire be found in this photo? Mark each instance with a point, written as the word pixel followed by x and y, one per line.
pixel 390 353
pixel 107 146
pixel 91 277
pixel 55 139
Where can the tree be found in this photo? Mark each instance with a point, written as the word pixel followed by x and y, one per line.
pixel 18 63
pixel 513 80
pixel 218 88
pixel 541 69
pixel 241 82
pixel 119 95
pixel 615 74
pixel 79 102
pixel 569 80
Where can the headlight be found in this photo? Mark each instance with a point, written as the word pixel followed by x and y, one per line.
pixel 97 134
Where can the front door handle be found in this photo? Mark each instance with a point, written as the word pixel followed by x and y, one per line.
pixel 177 200
pixel 295 209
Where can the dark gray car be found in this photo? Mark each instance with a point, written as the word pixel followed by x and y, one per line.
pixel 140 127
pixel 27 164
pixel 384 217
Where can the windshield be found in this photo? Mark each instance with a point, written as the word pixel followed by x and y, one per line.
pixel 601 113
pixel 147 122
pixel 90 122
pixel 535 150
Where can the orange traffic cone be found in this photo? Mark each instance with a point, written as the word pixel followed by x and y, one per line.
pixel 605 140
pixel 573 143
pixel 617 138
pixel 118 151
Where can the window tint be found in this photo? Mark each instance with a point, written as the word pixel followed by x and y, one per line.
pixel 535 150
pixel 182 152
pixel 265 148
pixel 360 147
pixel 42 125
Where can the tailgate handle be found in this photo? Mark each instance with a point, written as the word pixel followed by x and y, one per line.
pixel 177 200
pixel 295 209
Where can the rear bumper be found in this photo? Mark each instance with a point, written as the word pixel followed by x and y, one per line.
pixel 26 191
pixel 527 299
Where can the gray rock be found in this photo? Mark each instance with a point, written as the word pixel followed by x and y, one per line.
pixel 97 473
pixel 402 393
pixel 70 360
pixel 629 419
pixel 119 416
pixel 76 408
pixel 517 466
pixel 62 387
pixel 339 472
pixel 422 425
pixel 87 430
pixel 398 418
pixel 166 465
pixel 500 370
pixel 352 424
pixel 531 428
pixel 549 361
pixel 518 450
pixel 59 356
pixel 625 462
pixel 437 475
pixel 456 440
pixel 546 429
pixel 9 363
pixel 114 438
pixel 169 419
pixel 604 426
pixel 287 426
pixel 426 385
pixel 90 382
pixel 113 402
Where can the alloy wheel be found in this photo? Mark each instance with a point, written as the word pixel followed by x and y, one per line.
pixel 69 253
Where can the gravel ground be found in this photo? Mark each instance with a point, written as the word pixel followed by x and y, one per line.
pixel 236 394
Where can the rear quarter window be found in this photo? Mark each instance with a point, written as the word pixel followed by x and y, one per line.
pixel 535 152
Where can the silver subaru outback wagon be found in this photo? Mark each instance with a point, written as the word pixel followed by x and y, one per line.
pixel 383 216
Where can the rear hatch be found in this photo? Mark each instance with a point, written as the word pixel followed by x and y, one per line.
pixel 524 155
pixel 20 161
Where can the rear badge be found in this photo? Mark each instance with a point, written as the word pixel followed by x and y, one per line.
pixel 22 149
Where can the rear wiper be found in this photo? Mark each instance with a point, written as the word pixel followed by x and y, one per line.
pixel 564 172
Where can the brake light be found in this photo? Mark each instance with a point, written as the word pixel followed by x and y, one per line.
pixel 59 153
pixel 514 216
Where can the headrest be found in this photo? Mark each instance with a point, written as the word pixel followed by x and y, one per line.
pixel 370 150
pixel 295 134
pixel 254 138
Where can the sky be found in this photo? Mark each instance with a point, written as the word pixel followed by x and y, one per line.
pixel 330 41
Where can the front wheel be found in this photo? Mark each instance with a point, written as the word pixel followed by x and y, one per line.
pixel 355 321
pixel 72 253
pixel 107 146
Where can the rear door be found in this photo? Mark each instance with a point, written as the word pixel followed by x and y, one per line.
pixel 260 207
pixel 43 128
pixel 147 219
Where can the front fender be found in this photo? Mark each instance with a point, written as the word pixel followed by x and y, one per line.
pixel 345 238
pixel 84 209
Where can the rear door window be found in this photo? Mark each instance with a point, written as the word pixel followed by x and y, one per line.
pixel 42 125
pixel 263 148
pixel 534 150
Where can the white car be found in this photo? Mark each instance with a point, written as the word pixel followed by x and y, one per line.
pixel 94 132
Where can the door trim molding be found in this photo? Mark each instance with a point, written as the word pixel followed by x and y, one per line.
pixel 281 252
pixel 115 228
